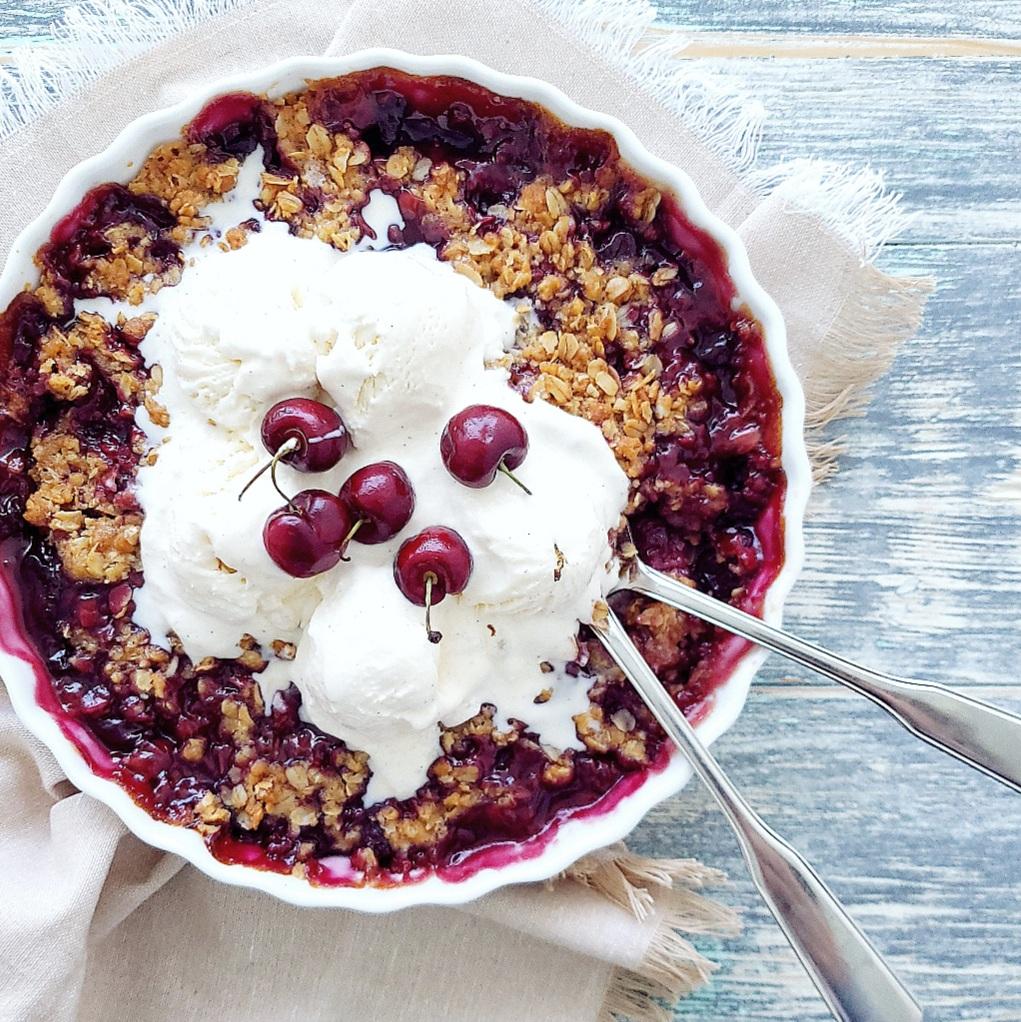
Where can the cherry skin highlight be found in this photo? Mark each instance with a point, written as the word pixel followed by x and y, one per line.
pixel 480 441
pixel 381 500
pixel 307 435
pixel 306 537
pixel 429 566
pixel 318 435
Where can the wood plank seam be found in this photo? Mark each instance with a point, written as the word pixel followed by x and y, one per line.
pixel 699 44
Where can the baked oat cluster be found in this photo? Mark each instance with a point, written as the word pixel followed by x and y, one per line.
pixel 630 324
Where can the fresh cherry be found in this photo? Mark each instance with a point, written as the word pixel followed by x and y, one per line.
pixel 480 441
pixel 305 434
pixel 430 565
pixel 307 535
pixel 322 439
pixel 381 501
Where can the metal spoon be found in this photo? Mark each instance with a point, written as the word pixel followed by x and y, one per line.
pixel 983 736
pixel 854 981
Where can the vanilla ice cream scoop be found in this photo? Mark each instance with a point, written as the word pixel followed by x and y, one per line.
pixel 208 578
pixel 384 693
pixel 223 363
pixel 407 327
pixel 398 342
pixel 241 331
pixel 540 553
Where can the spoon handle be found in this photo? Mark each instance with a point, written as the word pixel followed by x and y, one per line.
pixel 852 977
pixel 983 736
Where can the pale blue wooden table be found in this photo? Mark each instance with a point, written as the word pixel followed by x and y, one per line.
pixel 914 550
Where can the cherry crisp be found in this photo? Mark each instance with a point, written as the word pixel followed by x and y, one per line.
pixel 634 328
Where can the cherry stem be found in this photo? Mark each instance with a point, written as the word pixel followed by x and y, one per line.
pixel 351 534
pixel 510 475
pixel 430 580
pixel 289 446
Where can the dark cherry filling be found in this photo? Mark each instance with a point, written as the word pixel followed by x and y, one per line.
pixel 497 141
pixel 234 125
pixel 711 510
pixel 80 238
pixel 22 324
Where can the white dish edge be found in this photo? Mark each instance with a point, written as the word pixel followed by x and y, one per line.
pixel 574 838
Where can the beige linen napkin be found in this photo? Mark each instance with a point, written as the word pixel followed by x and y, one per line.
pixel 95 925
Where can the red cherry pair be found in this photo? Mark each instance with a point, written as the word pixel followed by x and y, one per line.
pixel 311 532
pixel 309 535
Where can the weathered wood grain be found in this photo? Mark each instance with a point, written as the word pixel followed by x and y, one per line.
pixel 914 549
pixel 914 554
pixel 985 18
pixel 25 21
pixel 920 849
pixel 700 43
pixel 945 132
pixel 1000 19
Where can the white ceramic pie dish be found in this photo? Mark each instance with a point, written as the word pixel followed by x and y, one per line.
pixel 574 837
